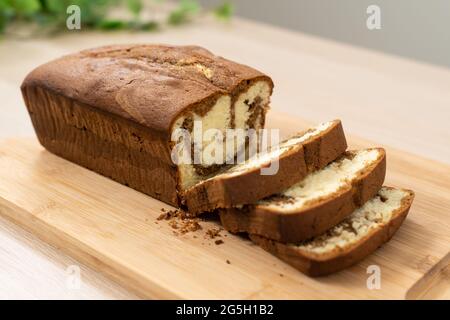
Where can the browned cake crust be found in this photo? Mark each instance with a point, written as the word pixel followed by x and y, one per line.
pixel 312 220
pixel 112 109
pixel 227 190
pixel 315 265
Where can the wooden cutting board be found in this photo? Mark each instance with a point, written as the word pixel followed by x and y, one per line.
pixel 114 229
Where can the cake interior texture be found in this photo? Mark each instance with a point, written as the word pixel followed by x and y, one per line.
pixel 247 111
pixel 374 214
pixel 263 159
pixel 322 183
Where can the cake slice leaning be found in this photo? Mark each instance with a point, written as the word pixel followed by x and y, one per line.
pixel 313 204
pixel 366 229
pixel 270 172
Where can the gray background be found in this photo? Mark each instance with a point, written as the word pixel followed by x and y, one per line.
pixel 417 29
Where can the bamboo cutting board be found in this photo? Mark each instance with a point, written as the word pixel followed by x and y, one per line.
pixel 114 229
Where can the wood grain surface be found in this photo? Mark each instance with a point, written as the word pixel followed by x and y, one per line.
pixel 115 230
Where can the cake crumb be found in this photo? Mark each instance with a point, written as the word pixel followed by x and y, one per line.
pixel 167 215
pixel 173 224
pixel 184 222
pixel 213 233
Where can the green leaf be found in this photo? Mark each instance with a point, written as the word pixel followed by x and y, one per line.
pixel 93 12
pixel 185 9
pixel 224 11
pixel 2 22
pixel 176 17
pixel 149 26
pixel 6 9
pixel 109 24
pixel 54 6
pixel 4 4
pixel 135 7
pixel 26 7
pixel 189 6
pixel 7 12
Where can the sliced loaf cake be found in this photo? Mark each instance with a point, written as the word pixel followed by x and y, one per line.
pixel 118 110
pixel 315 203
pixel 291 161
pixel 366 229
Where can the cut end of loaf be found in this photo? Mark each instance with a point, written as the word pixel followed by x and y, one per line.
pixel 247 111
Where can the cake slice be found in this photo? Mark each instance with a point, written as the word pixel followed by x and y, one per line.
pixel 315 203
pixel 366 229
pixel 271 172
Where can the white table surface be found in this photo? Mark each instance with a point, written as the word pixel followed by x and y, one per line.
pixel 391 100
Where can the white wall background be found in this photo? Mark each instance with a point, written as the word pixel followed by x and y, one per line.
pixel 417 29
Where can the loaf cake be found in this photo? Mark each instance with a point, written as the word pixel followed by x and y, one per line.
pixel 315 203
pixel 285 164
pixel 115 110
pixel 157 118
pixel 366 229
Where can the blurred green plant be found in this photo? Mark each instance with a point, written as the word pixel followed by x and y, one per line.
pixel 185 10
pixel 95 14
pixel 224 11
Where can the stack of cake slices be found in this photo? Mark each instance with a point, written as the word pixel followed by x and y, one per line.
pixel 323 210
